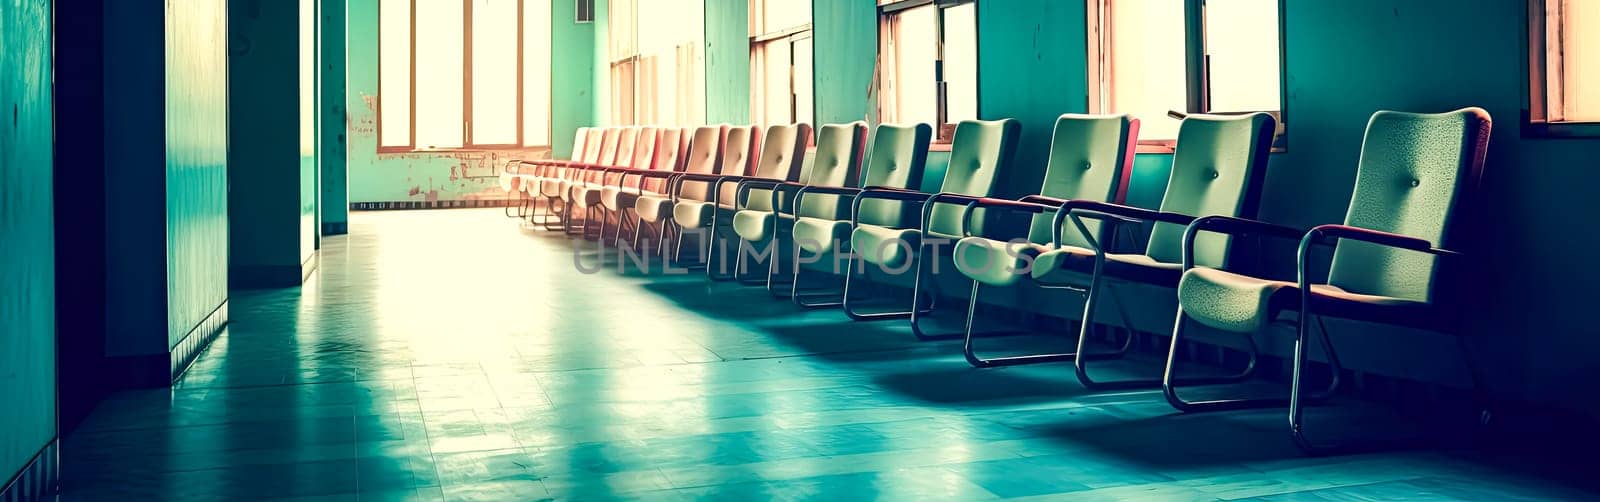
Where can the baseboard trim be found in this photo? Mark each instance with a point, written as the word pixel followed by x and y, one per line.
pixel 40 479
pixel 199 337
pixel 431 204
pixel 271 276
pixel 335 228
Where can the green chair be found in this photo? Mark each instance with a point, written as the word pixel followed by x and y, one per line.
pixel 1091 159
pixel 1390 257
pixel 980 157
pixel 894 160
pixel 1217 169
pixel 766 210
pixel 705 157
pixel 782 152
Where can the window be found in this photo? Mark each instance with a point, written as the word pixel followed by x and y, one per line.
pixel 1152 57
pixel 656 66
pixel 463 74
pixel 928 61
pixel 780 61
pixel 1564 57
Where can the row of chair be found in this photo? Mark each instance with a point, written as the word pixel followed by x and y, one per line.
pixel 860 200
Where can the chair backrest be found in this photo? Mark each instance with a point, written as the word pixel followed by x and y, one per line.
pixel 705 157
pixel 979 158
pixel 1217 169
pixel 591 145
pixel 668 156
pixel 738 143
pixel 644 148
pixel 1415 171
pixel 896 158
pixel 1091 158
pixel 626 143
pixel 783 151
pixel 608 146
pixel 833 165
pixel 578 139
pixel 669 149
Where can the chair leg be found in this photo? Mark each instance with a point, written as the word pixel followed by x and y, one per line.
pixel 1080 363
pixel 980 362
pixel 916 299
pixel 800 297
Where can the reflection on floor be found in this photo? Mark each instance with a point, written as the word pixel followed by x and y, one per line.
pixel 450 355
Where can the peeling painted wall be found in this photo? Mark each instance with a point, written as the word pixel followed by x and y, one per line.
pixel 197 162
pixel 27 236
pixel 428 176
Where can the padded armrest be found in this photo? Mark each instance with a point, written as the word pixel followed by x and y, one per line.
pixel 1044 200
pixel 888 193
pixel 1127 212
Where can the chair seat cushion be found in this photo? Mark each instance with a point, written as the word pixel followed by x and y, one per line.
pixel 548 187
pixel 586 196
pixel 1075 265
pixel 1241 303
pixel 890 248
pixel 756 225
pixel 616 198
pixel 818 235
pixel 694 213
pixel 653 208
pixel 995 262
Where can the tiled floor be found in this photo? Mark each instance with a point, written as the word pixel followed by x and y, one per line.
pixel 450 355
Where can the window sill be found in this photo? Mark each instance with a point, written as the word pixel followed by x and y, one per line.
pixel 470 149
pixel 939 147
pixel 1561 130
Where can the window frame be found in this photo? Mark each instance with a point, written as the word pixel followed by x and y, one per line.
pixel 887 10
pixel 1197 85
pixel 467 143
pixel 1536 89
pixel 760 45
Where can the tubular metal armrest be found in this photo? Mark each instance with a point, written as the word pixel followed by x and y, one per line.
pixel 1020 206
pixel 888 193
pixel 742 191
pixel 799 195
pixel 1232 226
pixel 1115 213
pixel 676 184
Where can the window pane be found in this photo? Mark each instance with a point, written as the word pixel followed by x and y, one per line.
pixel 440 25
pixel 916 47
pixel 622 78
pixel 1580 61
pixel 536 72
pixel 494 72
pixel 1242 42
pixel 394 81
pixel 1147 64
pixel 961 63
pixel 778 15
pixel 803 107
pixel 775 83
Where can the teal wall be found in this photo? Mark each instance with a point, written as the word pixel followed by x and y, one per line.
pixel 272 203
pixel 845 36
pixel 310 172
pixel 1031 67
pixel 600 100
pixel 136 171
pixel 335 197
pixel 728 61
pixel 197 162
pixel 572 84
pixel 27 236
